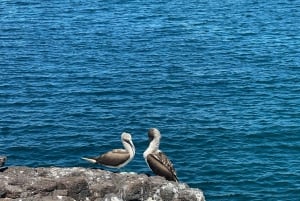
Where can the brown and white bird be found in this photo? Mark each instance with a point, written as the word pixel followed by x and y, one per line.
pixel 156 159
pixel 2 160
pixel 116 158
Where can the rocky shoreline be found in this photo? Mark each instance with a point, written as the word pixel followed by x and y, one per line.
pixel 77 183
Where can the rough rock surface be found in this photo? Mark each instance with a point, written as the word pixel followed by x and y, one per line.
pixel 69 184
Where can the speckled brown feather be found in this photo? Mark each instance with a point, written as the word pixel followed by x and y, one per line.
pixel 162 166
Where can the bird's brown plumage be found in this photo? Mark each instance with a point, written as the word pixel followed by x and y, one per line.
pixel 113 158
pixel 162 166
pixel 116 158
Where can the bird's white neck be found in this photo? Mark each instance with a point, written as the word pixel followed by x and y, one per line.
pixel 130 148
pixel 153 147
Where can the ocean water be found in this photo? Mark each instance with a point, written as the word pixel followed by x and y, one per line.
pixel 220 79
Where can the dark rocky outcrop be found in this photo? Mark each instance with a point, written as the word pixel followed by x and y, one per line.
pixel 69 184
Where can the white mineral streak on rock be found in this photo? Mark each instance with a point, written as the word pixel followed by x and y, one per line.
pixel 156 195
pixel 199 194
pixel 113 199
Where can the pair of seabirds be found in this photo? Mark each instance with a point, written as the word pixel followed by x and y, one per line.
pixel 156 159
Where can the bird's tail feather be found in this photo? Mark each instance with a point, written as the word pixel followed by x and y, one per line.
pixel 91 160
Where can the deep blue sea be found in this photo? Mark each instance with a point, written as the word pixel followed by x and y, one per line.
pixel 220 79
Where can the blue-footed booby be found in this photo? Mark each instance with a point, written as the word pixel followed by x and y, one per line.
pixel 2 160
pixel 156 159
pixel 116 158
pixel 2 163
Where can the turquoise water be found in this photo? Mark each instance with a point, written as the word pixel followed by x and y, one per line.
pixel 220 79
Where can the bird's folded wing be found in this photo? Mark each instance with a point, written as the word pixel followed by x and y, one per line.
pixel 161 165
pixel 114 157
pixel 119 151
